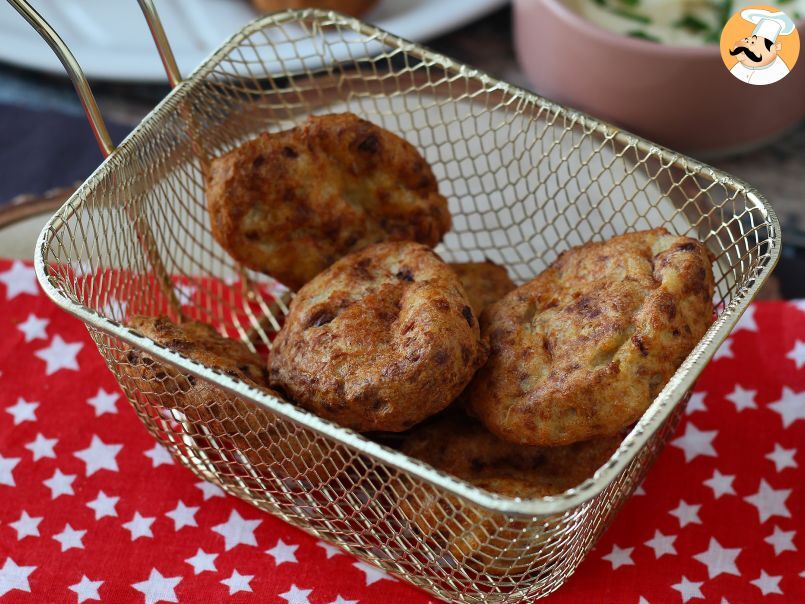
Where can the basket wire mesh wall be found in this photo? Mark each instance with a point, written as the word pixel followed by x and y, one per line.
pixel 525 178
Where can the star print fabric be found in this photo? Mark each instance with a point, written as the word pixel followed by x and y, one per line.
pixel 92 509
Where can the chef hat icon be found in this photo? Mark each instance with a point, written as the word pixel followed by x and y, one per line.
pixel 769 24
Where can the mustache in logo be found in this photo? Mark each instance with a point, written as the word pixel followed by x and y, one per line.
pixel 743 49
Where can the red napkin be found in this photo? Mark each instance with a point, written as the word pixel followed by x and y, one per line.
pixel 91 508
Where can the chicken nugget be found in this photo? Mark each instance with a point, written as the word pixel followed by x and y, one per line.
pixel 492 542
pixel 349 7
pixel 237 425
pixel 582 350
pixel 379 341
pixel 291 203
pixel 485 282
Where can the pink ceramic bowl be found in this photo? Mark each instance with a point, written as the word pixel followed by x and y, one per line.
pixel 681 97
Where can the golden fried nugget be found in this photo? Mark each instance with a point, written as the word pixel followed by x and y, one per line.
pixel 465 448
pixel 582 350
pixel 246 428
pixel 487 541
pixel 349 7
pixel 485 282
pixel 379 341
pixel 291 203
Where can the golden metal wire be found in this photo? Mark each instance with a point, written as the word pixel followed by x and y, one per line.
pixel 525 178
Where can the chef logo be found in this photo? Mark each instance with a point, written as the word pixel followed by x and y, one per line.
pixel 760 45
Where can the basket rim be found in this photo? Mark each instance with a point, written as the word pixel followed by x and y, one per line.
pixel 660 409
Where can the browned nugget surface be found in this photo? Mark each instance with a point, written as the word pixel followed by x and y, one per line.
pixel 491 542
pixel 236 423
pixel 466 449
pixel 348 7
pixel 582 350
pixel 485 282
pixel 291 203
pixel 202 343
pixel 379 341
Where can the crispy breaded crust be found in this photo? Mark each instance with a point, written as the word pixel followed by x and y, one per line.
pixel 379 341
pixel 236 424
pixel 466 449
pixel 291 203
pixel 200 342
pixel 349 7
pixel 487 541
pixel 485 282
pixel 582 350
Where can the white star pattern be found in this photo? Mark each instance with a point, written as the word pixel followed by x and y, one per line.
pixel 19 279
pixel 86 589
pixel 689 589
pixel 696 403
pixel 742 399
pixel 114 308
pixel 104 402
pixel 329 550
pixel 26 526
pixel 59 484
pixel 82 268
pixel 797 354
pixel 99 456
pixel 23 411
pixel 7 465
pixel 767 584
pixel 70 538
pixel 296 596
pixel 60 355
pixel 769 502
pixel 185 293
pixel 183 515
pixel 747 321
pixel 237 582
pixel 34 328
pixel 158 588
pixel 139 526
pixel 42 447
pixel 696 442
pixel 662 544
pixel 781 541
pixel 237 530
pixel 71 413
pixel 202 561
pixel 619 557
pixel 721 484
pixel 159 456
pixel 782 458
pixel 283 552
pixel 209 490
pixel 103 505
pixel 373 574
pixel 13 576
pixel 719 560
pixel 791 406
pixel 724 351
pixel 686 513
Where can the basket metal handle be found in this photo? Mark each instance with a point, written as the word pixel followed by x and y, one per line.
pixel 97 123
pixel 76 74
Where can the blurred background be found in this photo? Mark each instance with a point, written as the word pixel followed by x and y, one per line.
pixel 650 66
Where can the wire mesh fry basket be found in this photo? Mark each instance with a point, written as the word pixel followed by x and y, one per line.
pixel 525 178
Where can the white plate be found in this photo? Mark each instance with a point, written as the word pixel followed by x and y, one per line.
pixel 111 40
